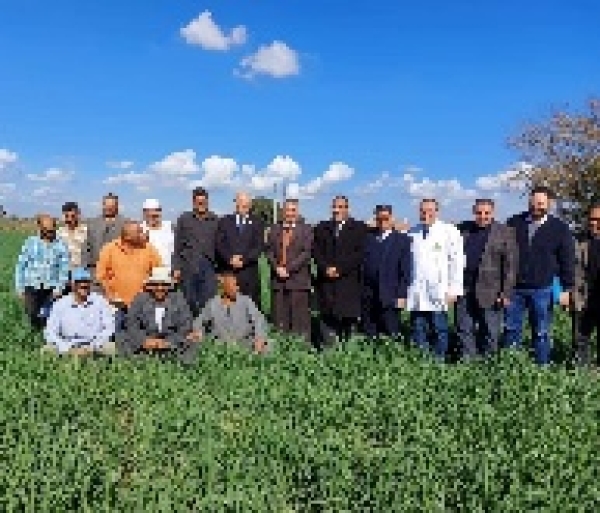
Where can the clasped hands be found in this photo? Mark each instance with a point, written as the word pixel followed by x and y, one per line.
pixel 260 345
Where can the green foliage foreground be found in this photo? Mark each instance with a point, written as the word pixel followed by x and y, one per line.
pixel 352 430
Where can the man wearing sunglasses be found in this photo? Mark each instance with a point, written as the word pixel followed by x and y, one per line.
pixel 80 323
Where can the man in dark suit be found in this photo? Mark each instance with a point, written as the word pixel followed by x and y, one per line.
pixel 386 276
pixel 338 253
pixel 240 242
pixel 489 279
pixel 289 248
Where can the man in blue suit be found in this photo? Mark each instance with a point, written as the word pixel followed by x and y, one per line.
pixel 386 275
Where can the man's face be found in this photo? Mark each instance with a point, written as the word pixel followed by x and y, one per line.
pixel 483 213
pixel 384 220
pixel 200 204
pixel 153 216
pixel 134 235
pixel 110 207
pixel 339 210
pixel 594 222
pixel 82 289
pixel 290 212
pixel 230 286
pixel 47 228
pixel 158 291
pixel 427 212
pixel 71 218
pixel 243 204
pixel 538 205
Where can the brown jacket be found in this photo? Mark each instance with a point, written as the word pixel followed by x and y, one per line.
pixel 497 272
pixel 298 257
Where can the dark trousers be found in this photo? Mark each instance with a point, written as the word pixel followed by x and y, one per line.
pixel 37 304
pixel 333 328
pixel 436 322
pixel 584 325
pixel 253 291
pixel 199 285
pixel 380 321
pixel 478 328
pixel 291 312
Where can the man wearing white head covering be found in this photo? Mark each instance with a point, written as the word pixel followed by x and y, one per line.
pixel 160 232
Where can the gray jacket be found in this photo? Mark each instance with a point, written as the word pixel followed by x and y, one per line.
pixel 99 233
pixel 240 323
pixel 140 323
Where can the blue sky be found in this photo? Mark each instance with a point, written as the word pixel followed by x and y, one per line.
pixel 384 101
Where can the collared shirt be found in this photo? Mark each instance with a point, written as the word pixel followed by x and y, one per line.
pixel 42 264
pixel 74 239
pixel 383 235
pixel 72 324
pixel 122 271
pixel 534 225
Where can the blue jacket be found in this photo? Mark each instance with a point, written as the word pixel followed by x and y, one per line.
pixel 386 268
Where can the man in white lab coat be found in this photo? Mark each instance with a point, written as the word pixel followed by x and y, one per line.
pixel 438 262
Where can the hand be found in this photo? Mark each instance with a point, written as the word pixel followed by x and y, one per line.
pixel 565 299
pixel 80 351
pixel 282 272
pixel 259 345
pixel 57 294
pixel 176 275
pixel 450 299
pixel 194 336
pixel 401 303
pixel 236 261
pixel 154 343
pixel 503 302
pixel 332 272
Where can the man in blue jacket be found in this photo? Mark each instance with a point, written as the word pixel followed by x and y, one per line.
pixel 386 275
pixel 546 250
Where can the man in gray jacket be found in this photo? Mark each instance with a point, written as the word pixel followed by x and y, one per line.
pixel 100 231
pixel 232 318
pixel 158 321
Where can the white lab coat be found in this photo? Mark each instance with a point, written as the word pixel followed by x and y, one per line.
pixel 163 241
pixel 438 264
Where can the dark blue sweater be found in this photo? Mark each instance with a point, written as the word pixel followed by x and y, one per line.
pixel 550 253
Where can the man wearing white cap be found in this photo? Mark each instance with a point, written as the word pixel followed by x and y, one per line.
pixel 160 233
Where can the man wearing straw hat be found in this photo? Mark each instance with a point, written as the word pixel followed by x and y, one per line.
pixel 159 321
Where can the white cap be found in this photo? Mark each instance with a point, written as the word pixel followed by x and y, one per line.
pixel 151 204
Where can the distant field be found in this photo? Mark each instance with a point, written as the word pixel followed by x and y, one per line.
pixel 352 430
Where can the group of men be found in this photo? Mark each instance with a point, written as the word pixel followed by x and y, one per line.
pixel 120 285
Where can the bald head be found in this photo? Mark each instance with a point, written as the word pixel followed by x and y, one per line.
pixel 47 226
pixel 132 233
pixel 243 203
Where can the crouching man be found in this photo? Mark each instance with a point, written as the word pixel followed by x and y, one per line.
pixel 232 318
pixel 159 321
pixel 80 323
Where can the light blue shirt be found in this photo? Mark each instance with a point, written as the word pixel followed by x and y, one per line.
pixel 42 264
pixel 72 324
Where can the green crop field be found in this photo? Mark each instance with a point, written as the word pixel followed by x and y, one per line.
pixel 349 430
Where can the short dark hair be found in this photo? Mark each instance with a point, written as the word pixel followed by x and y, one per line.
pixel 343 198
pixel 199 191
pixel 485 201
pixel 224 273
pixel 430 200
pixel 383 208
pixel 542 189
pixel 111 196
pixel 295 201
pixel 70 206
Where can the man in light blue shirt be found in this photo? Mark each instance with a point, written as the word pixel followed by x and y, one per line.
pixel 81 322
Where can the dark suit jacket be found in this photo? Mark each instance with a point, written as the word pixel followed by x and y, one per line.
pixel 497 273
pixel 140 323
pixel 99 233
pixel 298 257
pixel 387 269
pixel 339 297
pixel 249 243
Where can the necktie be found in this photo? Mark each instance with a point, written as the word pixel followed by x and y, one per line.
pixel 241 223
pixel 425 231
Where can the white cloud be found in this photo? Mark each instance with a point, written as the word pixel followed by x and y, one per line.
pixel 337 172
pixel 44 191
pixel 141 181
pixel 178 163
pixel 446 191
pixel 281 168
pixel 507 180
pixel 276 60
pixel 53 174
pixel 204 32
pixel 217 172
pixel 7 158
pixel 120 164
